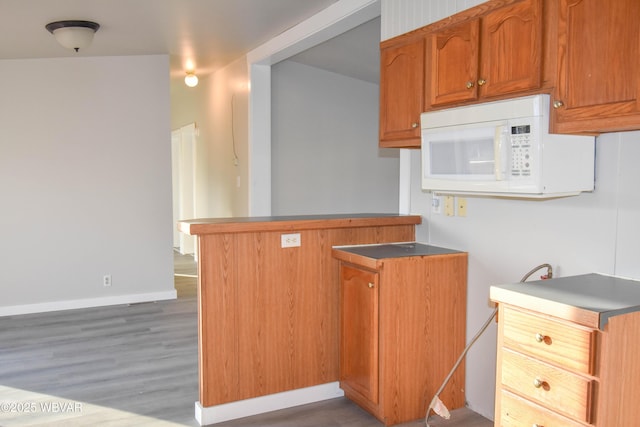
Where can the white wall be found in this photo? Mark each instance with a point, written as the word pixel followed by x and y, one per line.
pixel 401 16
pixel 324 145
pixel 219 100
pixel 85 182
pixel 594 232
pixel 226 129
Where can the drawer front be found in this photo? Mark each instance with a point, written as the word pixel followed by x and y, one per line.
pixel 560 343
pixel 517 412
pixel 554 388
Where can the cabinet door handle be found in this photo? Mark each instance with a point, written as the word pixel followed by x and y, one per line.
pixel 540 337
pixel 537 383
pixel 414 125
pixel 469 84
pixel 558 104
pixel 481 82
pixel 371 285
pixel 536 425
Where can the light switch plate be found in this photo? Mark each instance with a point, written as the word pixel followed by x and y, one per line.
pixel 449 206
pixel 462 206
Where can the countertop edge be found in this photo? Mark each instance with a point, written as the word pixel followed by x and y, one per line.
pixel 292 223
pixel 543 305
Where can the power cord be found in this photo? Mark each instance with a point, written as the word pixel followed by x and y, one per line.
pixel 436 404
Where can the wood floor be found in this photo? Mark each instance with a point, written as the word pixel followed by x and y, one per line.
pixel 133 365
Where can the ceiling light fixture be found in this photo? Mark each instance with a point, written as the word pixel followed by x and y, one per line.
pixel 74 35
pixel 191 79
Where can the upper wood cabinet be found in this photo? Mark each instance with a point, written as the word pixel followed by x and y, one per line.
pixel 401 92
pixel 497 54
pixel 598 66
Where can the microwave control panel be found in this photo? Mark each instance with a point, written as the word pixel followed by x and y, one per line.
pixel 520 137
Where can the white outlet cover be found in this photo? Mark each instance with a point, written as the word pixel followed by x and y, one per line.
pixel 290 240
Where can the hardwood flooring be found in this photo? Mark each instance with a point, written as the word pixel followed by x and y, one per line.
pixel 133 365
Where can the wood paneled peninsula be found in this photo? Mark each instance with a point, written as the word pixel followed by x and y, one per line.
pixel 268 314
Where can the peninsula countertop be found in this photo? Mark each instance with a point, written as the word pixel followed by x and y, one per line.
pixel 373 256
pixel 293 222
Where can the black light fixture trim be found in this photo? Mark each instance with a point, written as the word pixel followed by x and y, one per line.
pixel 52 26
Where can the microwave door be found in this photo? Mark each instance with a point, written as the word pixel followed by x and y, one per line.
pixel 467 154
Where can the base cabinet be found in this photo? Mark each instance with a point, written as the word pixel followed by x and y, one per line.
pixel 267 312
pixel 402 327
pixel 565 365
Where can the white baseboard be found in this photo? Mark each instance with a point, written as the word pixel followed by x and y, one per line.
pixel 43 307
pixel 273 402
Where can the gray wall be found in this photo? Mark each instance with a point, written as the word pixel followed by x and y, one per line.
pixel 85 182
pixel 324 145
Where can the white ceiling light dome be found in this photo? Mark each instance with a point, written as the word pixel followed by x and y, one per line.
pixel 73 34
pixel 191 79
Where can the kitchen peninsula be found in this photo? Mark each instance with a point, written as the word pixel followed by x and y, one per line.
pixel 268 299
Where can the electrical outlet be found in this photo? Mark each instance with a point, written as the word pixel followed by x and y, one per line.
pixel 290 240
pixel 106 280
pixel 436 204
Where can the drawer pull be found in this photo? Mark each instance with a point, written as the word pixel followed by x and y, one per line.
pixel 537 383
pixel 536 425
pixel 542 338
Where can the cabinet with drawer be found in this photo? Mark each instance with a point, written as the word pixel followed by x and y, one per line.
pixel 568 352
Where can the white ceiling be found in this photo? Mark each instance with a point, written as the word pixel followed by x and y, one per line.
pixel 210 33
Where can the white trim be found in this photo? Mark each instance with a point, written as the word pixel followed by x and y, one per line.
pixel 326 24
pixel 43 307
pixel 272 402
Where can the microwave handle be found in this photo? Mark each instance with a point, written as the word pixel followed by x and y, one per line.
pixel 500 147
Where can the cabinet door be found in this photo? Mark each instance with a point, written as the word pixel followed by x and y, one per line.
pixel 453 55
pixel 401 94
pixel 598 66
pixel 511 49
pixel 359 332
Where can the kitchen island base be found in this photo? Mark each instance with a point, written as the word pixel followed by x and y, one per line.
pixel 268 299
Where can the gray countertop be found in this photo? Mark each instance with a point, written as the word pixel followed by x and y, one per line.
pixel 598 295
pixel 395 250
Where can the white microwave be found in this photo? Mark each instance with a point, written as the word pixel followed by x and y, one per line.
pixel 503 148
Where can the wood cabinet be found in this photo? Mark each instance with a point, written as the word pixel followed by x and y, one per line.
pixel 359 330
pixel 401 91
pixel 586 53
pixel 548 363
pixel 598 66
pixel 567 353
pixel 403 321
pixel 268 315
pixel 495 55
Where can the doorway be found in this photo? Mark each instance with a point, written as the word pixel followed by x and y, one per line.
pixel 183 167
